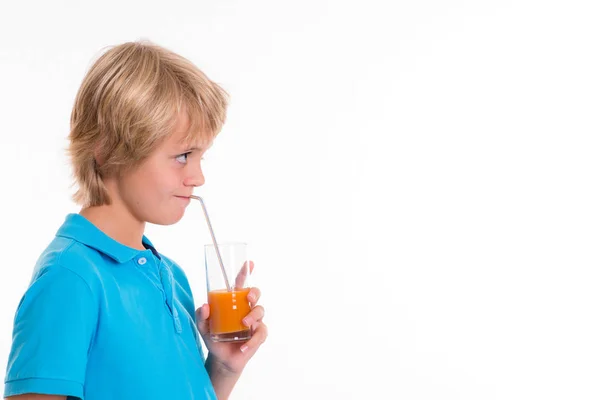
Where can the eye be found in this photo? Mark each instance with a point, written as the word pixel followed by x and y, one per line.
pixel 182 158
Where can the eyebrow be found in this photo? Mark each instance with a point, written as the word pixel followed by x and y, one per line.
pixel 193 148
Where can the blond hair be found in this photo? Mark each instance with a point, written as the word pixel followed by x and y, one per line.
pixel 127 104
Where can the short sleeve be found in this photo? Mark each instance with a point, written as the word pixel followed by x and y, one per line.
pixel 53 330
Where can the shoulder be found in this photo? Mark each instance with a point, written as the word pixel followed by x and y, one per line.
pixel 67 257
pixel 63 287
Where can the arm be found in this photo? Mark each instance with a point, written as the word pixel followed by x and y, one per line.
pixel 53 329
pixel 221 378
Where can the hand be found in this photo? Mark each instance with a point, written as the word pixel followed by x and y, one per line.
pixel 233 357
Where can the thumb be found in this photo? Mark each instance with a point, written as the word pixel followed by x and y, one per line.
pixel 202 314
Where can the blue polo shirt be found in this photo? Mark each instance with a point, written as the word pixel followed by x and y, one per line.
pixel 101 321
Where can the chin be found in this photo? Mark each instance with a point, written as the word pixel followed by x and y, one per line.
pixel 171 219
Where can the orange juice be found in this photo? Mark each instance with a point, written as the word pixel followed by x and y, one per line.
pixel 227 309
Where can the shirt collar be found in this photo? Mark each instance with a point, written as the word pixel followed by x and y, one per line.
pixel 78 228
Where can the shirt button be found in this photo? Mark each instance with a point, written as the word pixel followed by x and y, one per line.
pixel 142 260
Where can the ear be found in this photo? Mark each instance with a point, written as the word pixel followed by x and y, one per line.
pixel 98 157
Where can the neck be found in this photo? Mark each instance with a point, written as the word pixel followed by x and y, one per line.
pixel 117 223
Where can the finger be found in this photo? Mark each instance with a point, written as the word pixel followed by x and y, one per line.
pixel 256 315
pixel 246 269
pixel 253 296
pixel 202 314
pixel 258 338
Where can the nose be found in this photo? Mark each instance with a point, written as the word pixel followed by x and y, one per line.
pixel 195 178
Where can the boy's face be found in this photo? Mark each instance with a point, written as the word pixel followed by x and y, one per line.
pixel 158 190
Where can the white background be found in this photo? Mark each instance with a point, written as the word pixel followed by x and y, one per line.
pixel 418 181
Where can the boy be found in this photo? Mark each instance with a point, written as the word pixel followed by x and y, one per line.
pixel 107 316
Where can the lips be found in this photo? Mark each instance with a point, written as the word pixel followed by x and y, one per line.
pixel 185 199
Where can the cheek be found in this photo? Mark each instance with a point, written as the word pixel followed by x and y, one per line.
pixel 143 188
pixel 164 183
pixel 155 183
pixel 137 191
pixel 168 183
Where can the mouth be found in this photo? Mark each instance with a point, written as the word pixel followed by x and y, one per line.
pixel 185 199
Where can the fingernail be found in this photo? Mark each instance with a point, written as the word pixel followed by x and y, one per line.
pixel 246 321
pixel 251 297
pixel 244 348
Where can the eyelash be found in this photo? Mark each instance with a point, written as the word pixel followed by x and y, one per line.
pixel 183 155
pixel 186 157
